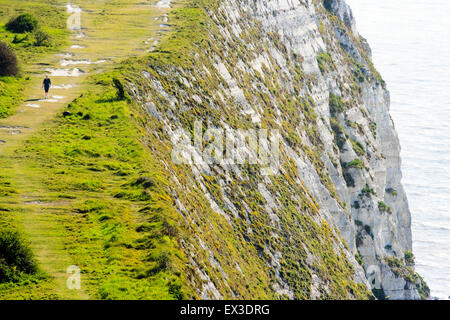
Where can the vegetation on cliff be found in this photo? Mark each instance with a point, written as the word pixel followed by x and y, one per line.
pixel 140 226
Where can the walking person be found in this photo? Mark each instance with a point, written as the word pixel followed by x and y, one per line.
pixel 46 85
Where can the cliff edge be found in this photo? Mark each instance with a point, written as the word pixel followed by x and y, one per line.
pixel 328 218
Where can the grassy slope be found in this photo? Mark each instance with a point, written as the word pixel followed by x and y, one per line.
pixel 52 20
pixel 77 187
pixel 195 38
pixel 111 217
pixel 114 204
pixel 187 44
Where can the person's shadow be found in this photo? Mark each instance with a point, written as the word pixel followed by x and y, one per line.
pixel 30 100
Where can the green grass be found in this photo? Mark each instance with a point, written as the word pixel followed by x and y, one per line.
pixel 124 243
pixel 357 163
pixel 189 30
pixel 339 133
pixel 21 283
pixel 10 94
pixel 52 20
pixel 358 147
pixel 336 104
pixel 325 62
pixel 93 205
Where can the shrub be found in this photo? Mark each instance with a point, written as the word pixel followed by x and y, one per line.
pixel 358 147
pixel 15 257
pixel 354 164
pixel 121 95
pixel 24 23
pixel 339 133
pixel 175 289
pixel 8 61
pixel 42 38
pixel 393 262
pixel 409 258
pixel 383 207
pixel 368 190
pixel 325 62
pixel 336 104
pixel 392 191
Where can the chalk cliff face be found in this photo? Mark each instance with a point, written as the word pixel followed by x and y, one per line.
pixel 333 221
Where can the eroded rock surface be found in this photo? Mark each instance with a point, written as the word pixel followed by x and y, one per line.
pixel 334 221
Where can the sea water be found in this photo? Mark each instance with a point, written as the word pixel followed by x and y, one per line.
pixel 411 49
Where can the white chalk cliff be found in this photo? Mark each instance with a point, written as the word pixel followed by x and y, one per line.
pixel 334 222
